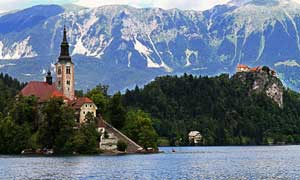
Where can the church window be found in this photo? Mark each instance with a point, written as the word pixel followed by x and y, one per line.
pixel 83 112
pixel 68 70
pixel 59 71
pixel 68 82
pixel 58 82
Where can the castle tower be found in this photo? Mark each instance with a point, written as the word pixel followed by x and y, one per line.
pixel 65 70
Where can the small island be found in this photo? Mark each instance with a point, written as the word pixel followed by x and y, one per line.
pixel 51 118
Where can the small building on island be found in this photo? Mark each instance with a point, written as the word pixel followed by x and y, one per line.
pixel 195 137
pixel 64 87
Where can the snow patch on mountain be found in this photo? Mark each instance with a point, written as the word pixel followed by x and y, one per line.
pixel 79 47
pixel 17 50
pixel 188 54
pixel 144 51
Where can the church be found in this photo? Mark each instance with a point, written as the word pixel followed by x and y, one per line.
pixel 64 87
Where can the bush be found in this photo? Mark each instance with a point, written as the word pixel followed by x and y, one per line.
pixel 121 146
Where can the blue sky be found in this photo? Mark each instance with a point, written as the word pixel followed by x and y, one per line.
pixel 8 5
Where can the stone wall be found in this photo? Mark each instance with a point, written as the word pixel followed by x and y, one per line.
pixel 132 146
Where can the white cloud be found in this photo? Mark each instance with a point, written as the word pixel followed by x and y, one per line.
pixel 166 4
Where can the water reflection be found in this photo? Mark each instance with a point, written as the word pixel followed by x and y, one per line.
pixel 281 162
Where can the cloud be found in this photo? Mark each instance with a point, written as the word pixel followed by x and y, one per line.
pixel 166 4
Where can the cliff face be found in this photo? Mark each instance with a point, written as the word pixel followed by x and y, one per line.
pixel 262 82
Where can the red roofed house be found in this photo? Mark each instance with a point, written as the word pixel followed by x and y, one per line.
pixel 83 106
pixel 63 87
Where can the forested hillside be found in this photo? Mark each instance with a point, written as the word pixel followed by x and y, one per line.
pixel 9 87
pixel 222 108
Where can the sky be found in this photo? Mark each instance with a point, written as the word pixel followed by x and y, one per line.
pixel 9 5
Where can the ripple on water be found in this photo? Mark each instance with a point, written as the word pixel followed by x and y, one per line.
pixel 278 162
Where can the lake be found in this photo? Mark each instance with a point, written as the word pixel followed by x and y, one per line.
pixel 264 162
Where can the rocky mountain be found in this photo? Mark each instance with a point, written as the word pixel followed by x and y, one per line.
pixel 123 46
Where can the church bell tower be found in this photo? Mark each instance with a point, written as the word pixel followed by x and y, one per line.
pixel 65 70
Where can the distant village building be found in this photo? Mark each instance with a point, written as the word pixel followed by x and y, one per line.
pixel 64 88
pixel 195 137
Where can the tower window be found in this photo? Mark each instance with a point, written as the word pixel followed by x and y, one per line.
pixel 68 70
pixel 68 82
pixel 59 71
pixel 58 82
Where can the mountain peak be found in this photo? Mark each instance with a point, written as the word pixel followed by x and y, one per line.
pixel 261 2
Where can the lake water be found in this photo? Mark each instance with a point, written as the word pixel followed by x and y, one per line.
pixel 267 162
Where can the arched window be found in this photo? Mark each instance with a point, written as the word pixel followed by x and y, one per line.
pixel 68 70
pixel 59 71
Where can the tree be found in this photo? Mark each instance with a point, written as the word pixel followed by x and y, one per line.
pixel 139 128
pixel 85 140
pixel 58 125
pixel 116 111
pixel 13 137
pixel 25 110
pixel 121 146
pixel 100 98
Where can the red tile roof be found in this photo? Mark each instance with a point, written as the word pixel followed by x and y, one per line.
pixel 255 69
pixel 42 90
pixel 242 66
pixel 81 101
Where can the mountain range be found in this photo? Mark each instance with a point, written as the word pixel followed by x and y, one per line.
pixel 122 46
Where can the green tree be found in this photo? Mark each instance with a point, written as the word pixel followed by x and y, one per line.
pixel 139 128
pixel 116 111
pixel 25 110
pixel 85 140
pixel 121 146
pixel 58 125
pixel 13 137
pixel 100 98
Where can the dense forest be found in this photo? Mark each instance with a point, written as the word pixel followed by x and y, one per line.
pixel 220 108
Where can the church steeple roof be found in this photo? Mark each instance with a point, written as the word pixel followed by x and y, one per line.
pixel 64 48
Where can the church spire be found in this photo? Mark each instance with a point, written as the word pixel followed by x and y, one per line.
pixel 64 48
pixel 65 35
